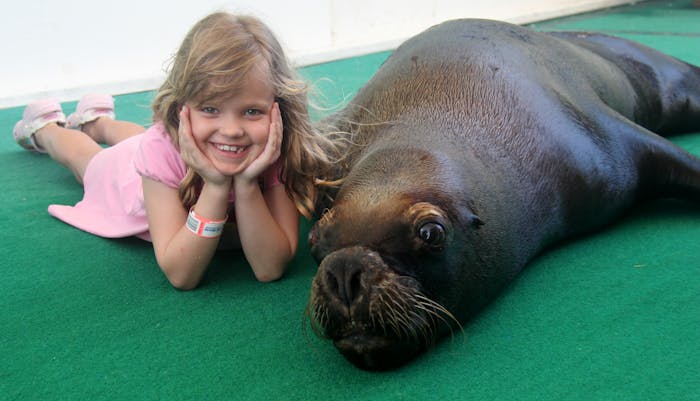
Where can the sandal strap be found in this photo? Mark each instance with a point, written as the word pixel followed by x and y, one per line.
pixel 36 116
pixel 90 108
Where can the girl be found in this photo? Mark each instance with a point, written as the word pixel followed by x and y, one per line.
pixel 232 142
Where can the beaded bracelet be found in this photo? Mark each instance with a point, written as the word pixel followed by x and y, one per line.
pixel 203 227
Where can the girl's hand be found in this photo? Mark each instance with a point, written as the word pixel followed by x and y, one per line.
pixel 193 156
pixel 272 149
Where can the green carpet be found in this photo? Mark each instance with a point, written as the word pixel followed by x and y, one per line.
pixel 613 316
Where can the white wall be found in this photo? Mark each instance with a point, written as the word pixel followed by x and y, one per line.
pixel 70 47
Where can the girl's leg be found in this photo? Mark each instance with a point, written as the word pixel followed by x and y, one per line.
pixel 108 131
pixel 94 116
pixel 73 145
pixel 71 148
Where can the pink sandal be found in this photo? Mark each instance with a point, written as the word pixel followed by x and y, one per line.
pixel 37 115
pixel 90 108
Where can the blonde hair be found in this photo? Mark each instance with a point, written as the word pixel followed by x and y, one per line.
pixel 212 61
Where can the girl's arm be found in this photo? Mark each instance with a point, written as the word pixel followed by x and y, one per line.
pixel 268 228
pixel 182 255
pixel 268 225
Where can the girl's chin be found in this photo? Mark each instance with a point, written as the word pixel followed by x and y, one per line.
pixel 230 170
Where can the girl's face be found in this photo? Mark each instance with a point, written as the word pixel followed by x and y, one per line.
pixel 233 132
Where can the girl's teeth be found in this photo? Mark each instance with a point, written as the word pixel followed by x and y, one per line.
pixel 229 148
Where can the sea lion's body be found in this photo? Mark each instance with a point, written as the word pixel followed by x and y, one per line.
pixel 477 144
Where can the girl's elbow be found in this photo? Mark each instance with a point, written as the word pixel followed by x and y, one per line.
pixel 275 270
pixel 182 285
pixel 179 280
pixel 273 274
pixel 266 277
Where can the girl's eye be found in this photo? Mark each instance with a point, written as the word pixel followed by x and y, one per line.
pixel 253 112
pixel 209 110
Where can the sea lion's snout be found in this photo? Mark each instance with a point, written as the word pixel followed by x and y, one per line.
pixel 351 303
pixel 377 318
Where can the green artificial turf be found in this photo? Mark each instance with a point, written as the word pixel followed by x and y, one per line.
pixel 611 316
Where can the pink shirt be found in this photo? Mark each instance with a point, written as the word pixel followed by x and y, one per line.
pixel 113 204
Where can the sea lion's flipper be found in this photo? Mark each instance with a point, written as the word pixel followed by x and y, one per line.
pixel 664 169
pixel 668 89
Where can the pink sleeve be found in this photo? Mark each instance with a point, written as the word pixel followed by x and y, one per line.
pixel 158 159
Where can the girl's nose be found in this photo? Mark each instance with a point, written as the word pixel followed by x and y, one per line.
pixel 231 126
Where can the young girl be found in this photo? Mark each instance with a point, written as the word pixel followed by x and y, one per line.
pixel 232 142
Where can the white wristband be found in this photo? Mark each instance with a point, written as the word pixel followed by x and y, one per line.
pixel 203 227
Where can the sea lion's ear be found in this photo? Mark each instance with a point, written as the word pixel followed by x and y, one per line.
pixel 475 221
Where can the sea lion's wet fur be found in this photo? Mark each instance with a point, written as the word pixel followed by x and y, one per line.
pixel 477 144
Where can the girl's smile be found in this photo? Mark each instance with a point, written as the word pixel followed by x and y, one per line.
pixel 228 148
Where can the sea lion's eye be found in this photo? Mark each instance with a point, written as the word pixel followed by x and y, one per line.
pixel 433 234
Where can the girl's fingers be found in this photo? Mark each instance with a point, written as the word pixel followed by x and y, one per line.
pixel 188 147
pixel 274 138
pixel 277 115
pixel 189 150
pixel 276 131
pixel 183 130
pixel 192 155
pixel 272 150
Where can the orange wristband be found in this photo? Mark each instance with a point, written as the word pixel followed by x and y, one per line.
pixel 203 227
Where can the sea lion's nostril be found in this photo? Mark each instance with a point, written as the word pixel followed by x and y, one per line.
pixel 343 280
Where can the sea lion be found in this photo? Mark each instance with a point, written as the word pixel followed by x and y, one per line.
pixel 476 145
